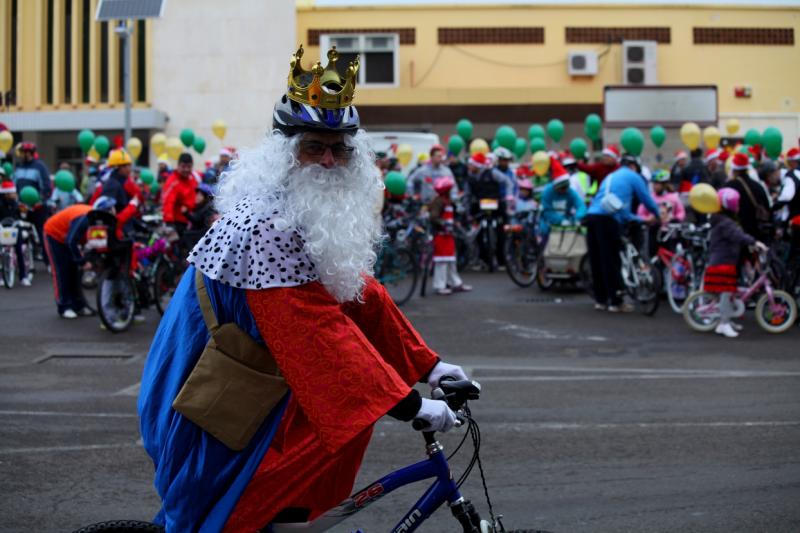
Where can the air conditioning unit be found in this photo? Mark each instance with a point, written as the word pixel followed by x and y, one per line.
pixel 639 62
pixel 582 63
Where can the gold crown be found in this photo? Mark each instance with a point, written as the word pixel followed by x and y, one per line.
pixel 320 87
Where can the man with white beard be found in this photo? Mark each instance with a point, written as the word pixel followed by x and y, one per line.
pixel 279 351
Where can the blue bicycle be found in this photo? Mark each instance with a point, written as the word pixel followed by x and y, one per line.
pixel 443 490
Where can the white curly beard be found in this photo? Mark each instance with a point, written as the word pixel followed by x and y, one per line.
pixel 334 209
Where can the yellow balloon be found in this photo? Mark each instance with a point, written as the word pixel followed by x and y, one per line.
pixel 732 126
pixel 134 147
pixel 540 163
pixel 6 141
pixel 158 143
pixel 219 128
pixel 478 146
pixel 404 153
pixel 421 158
pixel 174 148
pixel 94 154
pixel 711 137
pixel 690 135
pixel 703 198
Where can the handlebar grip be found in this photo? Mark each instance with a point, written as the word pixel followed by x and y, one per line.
pixel 420 424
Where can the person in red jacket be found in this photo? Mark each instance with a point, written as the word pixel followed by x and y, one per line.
pixel 609 162
pixel 179 194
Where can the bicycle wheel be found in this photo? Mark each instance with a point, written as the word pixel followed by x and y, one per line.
pixel 679 282
pixel 9 267
pixel 165 281
pixel 587 281
pixel 648 290
pixel 778 316
pixel 398 273
pixel 701 311
pixel 121 526
pixel 545 283
pixel 27 251
pixel 116 300
pixel 521 260
pixel 425 272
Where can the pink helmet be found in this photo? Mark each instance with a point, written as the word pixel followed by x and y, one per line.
pixel 443 184
pixel 525 184
pixel 729 199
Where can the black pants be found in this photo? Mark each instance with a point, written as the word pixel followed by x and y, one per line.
pixel 603 240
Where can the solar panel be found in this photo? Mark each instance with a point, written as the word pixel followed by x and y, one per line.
pixel 129 9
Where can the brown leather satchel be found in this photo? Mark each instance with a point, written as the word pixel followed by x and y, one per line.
pixel 235 383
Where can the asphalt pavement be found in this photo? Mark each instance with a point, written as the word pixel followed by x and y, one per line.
pixel 591 422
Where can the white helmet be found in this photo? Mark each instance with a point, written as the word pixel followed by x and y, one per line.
pixel 503 153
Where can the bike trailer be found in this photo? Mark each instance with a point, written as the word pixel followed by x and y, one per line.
pixel 564 251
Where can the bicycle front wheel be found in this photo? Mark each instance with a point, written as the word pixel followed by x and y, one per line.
pixel 116 300
pixel 778 315
pixel 9 267
pixel 648 290
pixel 399 273
pixel 521 260
pixel 701 311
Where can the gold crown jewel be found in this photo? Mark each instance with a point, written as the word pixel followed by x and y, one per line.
pixel 320 87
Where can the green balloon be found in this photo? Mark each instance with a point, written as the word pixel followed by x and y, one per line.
pixel 395 183
pixel 187 137
pixel 592 126
pixel 658 135
pixel 520 147
pixel 147 176
pixel 506 136
pixel 578 147
pixel 154 188
pixel 536 131
pixel 102 144
pixel 773 142
pixel 65 181
pixel 495 145
pixel 199 145
pixel 464 128
pixel 555 129
pixel 29 196
pixel 632 141
pixel 9 168
pixel 752 137
pixel 455 144
pixel 538 145
pixel 86 140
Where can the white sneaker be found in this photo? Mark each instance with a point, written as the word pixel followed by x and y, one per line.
pixel 69 313
pixel 737 327
pixel 27 281
pixel 727 330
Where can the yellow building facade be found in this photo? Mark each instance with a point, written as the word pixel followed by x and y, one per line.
pixel 500 62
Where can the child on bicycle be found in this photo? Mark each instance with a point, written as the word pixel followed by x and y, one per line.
pixel 442 217
pixel 670 207
pixel 10 208
pixel 725 244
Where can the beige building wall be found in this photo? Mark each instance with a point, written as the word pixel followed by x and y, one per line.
pixel 222 60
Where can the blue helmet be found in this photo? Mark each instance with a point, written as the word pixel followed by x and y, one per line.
pixel 206 189
pixel 104 203
pixel 291 118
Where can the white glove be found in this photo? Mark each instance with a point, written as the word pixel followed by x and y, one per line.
pixel 761 247
pixel 134 201
pixel 443 369
pixel 437 414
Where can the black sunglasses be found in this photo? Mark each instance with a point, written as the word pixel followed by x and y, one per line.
pixel 339 151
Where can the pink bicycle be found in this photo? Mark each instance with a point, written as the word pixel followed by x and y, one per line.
pixel 776 310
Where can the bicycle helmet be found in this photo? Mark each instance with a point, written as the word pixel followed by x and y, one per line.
pixel 729 199
pixel 525 183
pixel 661 176
pixel 27 147
pixel 443 184
pixel 206 189
pixel 104 203
pixel 629 159
pixel 503 153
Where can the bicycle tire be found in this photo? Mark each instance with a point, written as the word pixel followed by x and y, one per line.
pixel 30 263
pixel 649 305
pixel 516 254
pixel 121 526
pixel 676 302
pixel 9 267
pixel 113 324
pixel 399 264
pixel 703 323
pixel 164 284
pixel 761 312
pixel 425 273
pixel 544 283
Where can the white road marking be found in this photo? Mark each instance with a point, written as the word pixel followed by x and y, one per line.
pixel 557 426
pixel 51 449
pixel 626 370
pixel 488 379
pixel 526 332
pixel 68 414
pixel 132 390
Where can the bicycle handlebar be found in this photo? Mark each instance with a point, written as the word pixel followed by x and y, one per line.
pixel 455 393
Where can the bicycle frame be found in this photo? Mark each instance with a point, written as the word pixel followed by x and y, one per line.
pixel 442 490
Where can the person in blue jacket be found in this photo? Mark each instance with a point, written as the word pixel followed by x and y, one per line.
pixel 606 217
pixel 561 205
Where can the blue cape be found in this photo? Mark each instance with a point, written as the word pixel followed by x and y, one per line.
pixel 197 477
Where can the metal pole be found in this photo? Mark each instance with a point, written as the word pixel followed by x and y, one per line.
pixel 125 35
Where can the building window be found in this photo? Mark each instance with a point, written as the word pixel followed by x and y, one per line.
pixel 49 62
pixel 606 35
pixel 758 36
pixel 378 56
pixel 491 35
pixel 104 61
pixel 68 51
pixel 141 61
pixel 86 62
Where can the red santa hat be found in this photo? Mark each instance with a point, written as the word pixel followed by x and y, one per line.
pixel 612 150
pixel 225 152
pixel 524 171
pixel 478 160
pixel 557 172
pixel 567 159
pixel 7 187
pixel 793 154
pixel 724 155
pixel 681 154
pixel 711 155
pixel 740 161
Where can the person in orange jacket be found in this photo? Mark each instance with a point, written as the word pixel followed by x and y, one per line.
pixel 179 194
